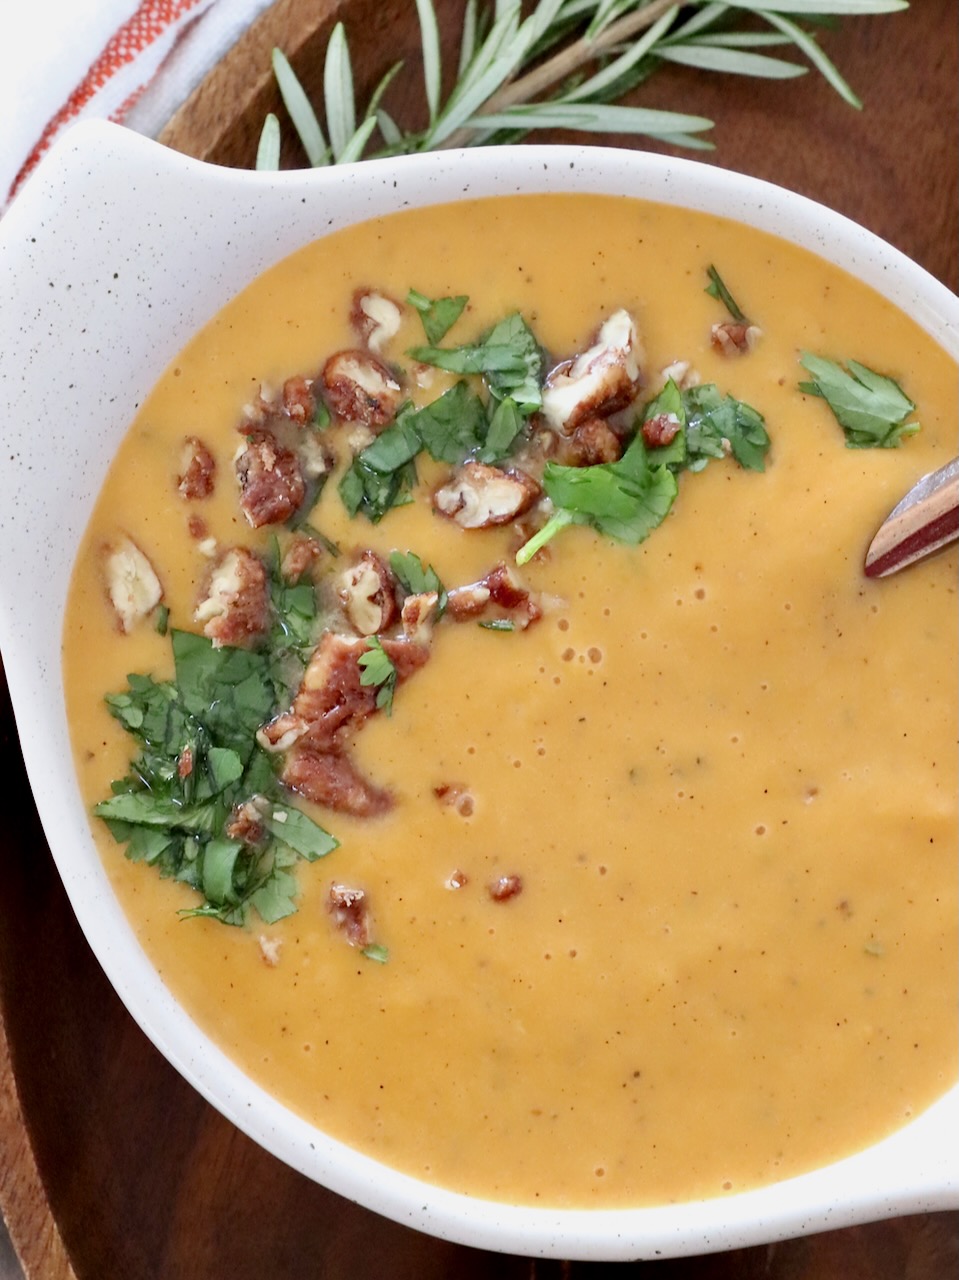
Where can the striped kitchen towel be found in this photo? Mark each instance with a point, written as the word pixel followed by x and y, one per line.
pixel 133 61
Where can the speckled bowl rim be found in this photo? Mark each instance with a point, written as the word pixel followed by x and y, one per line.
pixel 114 254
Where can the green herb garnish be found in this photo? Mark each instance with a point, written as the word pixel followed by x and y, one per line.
pixel 378 670
pixel 625 500
pixel 371 492
pixel 871 409
pixel 717 289
pixel 376 951
pixel 198 761
pixel 555 65
pixel 508 357
pixel 713 419
pixel 293 632
pixel 417 580
pixel 438 314
pixel 453 425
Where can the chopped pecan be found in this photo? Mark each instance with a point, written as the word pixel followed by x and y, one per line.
pixel 300 556
pixel 598 382
pixel 197 528
pixel 418 615
pixel 734 337
pixel 236 607
pixel 351 914
pixel 184 764
pixel 466 603
pixel 331 702
pixel 682 373
pixel 591 442
pixel 360 388
pixel 480 496
pixel 505 887
pixel 245 823
pixel 331 779
pixel 367 592
pixel 197 470
pixel 500 592
pixel 271 482
pixel 299 400
pixel 316 457
pixel 660 430
pixel 375 318
pixel 133 587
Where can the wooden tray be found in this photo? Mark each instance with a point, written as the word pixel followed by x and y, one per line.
pixel 111 1167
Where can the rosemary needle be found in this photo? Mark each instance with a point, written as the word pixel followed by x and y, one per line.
pixel 565 64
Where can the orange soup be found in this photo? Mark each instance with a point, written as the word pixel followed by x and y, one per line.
pixel 645 887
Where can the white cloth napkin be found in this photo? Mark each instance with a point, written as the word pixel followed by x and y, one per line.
pixel 134 61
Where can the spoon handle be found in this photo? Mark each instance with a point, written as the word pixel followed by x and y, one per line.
pixel 926 519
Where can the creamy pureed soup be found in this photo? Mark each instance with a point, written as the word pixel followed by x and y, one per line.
pixel 665 902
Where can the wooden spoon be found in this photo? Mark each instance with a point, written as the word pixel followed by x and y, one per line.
pixel 926 519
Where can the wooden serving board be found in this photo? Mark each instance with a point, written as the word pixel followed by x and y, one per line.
pixel 111 1167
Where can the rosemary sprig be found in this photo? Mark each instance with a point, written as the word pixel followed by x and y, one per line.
pixel 563 65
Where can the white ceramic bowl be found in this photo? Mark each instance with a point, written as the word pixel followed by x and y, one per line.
pixel 116 251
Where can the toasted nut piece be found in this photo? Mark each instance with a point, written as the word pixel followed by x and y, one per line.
pixel 236 607
pixel 246 822
pixel 299 400
pixel 330 778
pixel 351 914
pixel 197 470
pixel 366 590
pixel 734 337
pixel 480 496
pixel 504 888
pixel 682 373
pixel 593 441
pixel 599 381
pixel 375 318
pixel 360 388
pixel 418 615
pixel 332 702
pixel 660 430
pixel 300 555
pixel 132 584
pixel 316 456
pixel 465 603
pixel 270 479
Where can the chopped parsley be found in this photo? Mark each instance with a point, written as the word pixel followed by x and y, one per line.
pixel 871 409
pixel 378 670
pixel 508 357
pixel 294 629
pixel 437 314
pixel 628 499
pixel 717 289
pixel 376 951
pixel 455 426
pixel 712 419
pixel 408 569
pixel 368 491
pixel 199 760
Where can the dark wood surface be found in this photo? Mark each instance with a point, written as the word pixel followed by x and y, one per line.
pixel 111 1167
